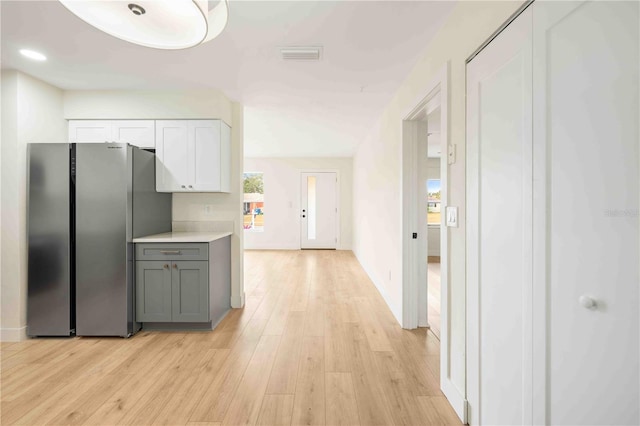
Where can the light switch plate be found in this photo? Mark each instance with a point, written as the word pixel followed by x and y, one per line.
pixel 452 216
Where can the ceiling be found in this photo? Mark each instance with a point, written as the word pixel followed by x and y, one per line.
pixel 292 108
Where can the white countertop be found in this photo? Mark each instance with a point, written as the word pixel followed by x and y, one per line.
pixel 182 237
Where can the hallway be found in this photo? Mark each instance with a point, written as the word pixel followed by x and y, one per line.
pixel 315 344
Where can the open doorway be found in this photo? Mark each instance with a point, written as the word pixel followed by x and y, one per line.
pixel 432 180
pixel 417 134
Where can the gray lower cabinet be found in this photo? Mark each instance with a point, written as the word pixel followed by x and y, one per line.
pixel 173 290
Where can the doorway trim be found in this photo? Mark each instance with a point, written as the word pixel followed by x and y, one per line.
pixel 338 207
pixel 437 87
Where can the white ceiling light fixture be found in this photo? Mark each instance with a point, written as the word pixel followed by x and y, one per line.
pixel 161 24
pixel 32 54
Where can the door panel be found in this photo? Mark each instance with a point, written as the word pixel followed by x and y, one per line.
pixel 190 288
pixel 50 287
pixel 90 131
pixel 140 133
pixel 172 160
pixel 204 135
pixel 153 291
pixel 586 81
pixel 499 139
pixel 102 291
pixel 318 210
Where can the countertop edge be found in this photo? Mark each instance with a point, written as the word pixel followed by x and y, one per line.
pixel 188 237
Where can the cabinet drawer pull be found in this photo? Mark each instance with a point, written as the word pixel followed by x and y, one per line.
pixel 166 266
pixel 175 266
pixel 170 251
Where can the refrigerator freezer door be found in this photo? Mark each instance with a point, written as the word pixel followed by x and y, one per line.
pixel 50 293
pixel 103 222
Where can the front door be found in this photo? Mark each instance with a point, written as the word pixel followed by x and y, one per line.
pixel 318 210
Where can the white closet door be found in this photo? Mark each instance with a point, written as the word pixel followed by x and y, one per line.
pixel 499 158
pixel 586 185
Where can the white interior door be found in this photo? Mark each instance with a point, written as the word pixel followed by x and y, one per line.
pixel 553 229
pixel 499 157
pixel 319 212
pixel 586 57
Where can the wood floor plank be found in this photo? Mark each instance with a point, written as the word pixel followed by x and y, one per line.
pixel 342 408
pixel 214 403
pixel 245 405
pixel 373 407
pixel 376 336
pixel 276 410
pixel 309 401
pixel 284 373
pixel 178 410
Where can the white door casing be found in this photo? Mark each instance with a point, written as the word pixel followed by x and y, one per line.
pixel 318 210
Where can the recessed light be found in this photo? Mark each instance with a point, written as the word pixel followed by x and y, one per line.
pixel 32 54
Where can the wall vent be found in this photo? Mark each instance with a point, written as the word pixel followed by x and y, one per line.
pixel 301 53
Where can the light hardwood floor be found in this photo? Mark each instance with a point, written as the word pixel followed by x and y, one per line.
pixel 314 345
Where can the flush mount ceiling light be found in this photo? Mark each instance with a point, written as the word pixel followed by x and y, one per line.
pixel 161 24
pixel 32 54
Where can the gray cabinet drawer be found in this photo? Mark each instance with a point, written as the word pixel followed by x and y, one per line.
pixel 172 251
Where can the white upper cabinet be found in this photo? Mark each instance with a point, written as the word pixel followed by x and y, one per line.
pixel 193 156
pixel 90 131
pixel 140 133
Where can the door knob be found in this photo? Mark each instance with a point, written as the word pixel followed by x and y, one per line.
pixel 587 302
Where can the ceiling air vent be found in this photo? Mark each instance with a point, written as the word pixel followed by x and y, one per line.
pixel 300 53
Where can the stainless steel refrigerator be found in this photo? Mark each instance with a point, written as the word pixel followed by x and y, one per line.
pixel 86 204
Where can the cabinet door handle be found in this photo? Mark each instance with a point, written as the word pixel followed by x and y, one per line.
pixel 169 251
pixel 166 266
pixel 190 186
pixel 175 266
pixel 182 186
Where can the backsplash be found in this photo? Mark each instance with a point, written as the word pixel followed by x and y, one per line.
pixel 203 226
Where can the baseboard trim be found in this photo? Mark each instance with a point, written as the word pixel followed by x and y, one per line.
pixel 455 398
pixel 13 334
pixel 238 301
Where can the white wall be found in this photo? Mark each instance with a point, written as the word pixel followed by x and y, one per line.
pixel 31 112
pixel 282 200
pixel 378 167
pixel 181 104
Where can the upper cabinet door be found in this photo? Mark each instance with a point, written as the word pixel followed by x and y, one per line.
pixel 90 131
pixel 204 143
pixel 140 133
pixel 172 156
pixel 193 156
